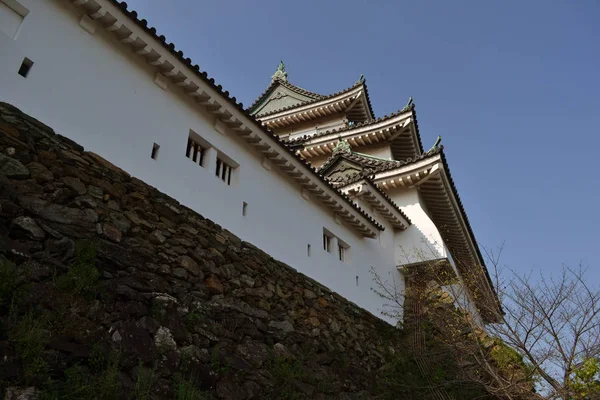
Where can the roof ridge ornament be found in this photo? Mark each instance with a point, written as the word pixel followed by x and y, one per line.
pixel 409 106
pixel 342 147
pixel 280 74
pixel 436 145
pixel 360 80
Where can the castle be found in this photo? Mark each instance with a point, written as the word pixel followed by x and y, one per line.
pixel 315 180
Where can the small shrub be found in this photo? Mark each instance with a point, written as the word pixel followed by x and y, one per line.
pixel 191 320
pixel 285 371
pixel 29 338
pixel 186 389
pixel 157 311
pixel 106 366
pixel 82 277
pixel 99 381
pixel 143 383
pixel 399 377
pixel 77 384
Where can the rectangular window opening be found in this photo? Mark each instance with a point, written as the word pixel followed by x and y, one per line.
pixel 188 150
pixel 244 208
pixel 25 67
pixel 308 250
pixel 223 171
pixel 195 151
pixel 342 252
pixel 339 246
pixel 154 154
pixel 327 239
pixel 356 280
pixel 218 170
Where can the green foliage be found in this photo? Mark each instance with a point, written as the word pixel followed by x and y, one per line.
pixel 186 388
pixel 157 311
pixel 511 363
pixel 82 277
pixel 505 356
pixel 285 371
pixel 99 381
pixel 144 382
pixel 106 366
pixel 400 378
pixel 77 385
pixel 585 380
pixel 29 339
pixel 439 374
pixel 191 319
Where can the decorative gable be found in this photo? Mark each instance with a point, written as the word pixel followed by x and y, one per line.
pixel 279 98
pixel 343 170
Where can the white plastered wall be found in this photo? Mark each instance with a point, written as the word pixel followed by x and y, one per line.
pixel 378 150
pixel 311 127
pixel 91 89
pixel 422 241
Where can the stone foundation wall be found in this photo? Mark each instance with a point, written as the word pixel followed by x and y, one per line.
pixel 175 301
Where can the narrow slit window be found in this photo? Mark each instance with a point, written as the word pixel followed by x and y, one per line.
pixel 195 152
pixel 154 153
pixel 218 171
pixel 244 208
pixel 194 157
pixel 201 152
pixel 25 67
pixel 188 150
pixel 356 280
pixel 341 252
pixel 308 250
pixel 223 171
pixel 326 242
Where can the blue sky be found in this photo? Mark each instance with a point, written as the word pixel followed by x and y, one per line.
pixel 513 87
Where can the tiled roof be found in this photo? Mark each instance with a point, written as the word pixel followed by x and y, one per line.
pixel 322 97
pixel 414 114
pixel 142 23
pixel 466 219
pixel 301 139
pixel 374 164
pixel 367 177
pixel 279 82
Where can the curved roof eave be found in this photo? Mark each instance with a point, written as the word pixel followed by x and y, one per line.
pixel 271 114
pixel 273 85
